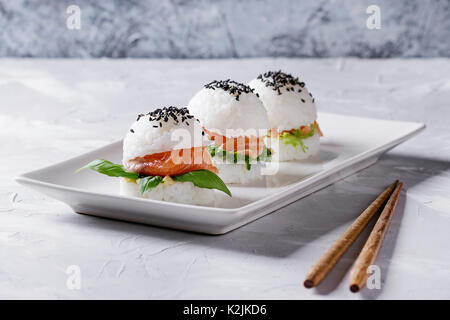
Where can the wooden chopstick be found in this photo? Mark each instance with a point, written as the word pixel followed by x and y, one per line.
pixel 369 253
pixel 329 259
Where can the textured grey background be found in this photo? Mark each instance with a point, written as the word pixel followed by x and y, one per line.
pixel 224 28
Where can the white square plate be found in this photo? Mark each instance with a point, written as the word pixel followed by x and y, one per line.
pixel 349 144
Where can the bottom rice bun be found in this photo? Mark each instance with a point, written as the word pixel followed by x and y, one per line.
pixel 235 121
pixel 238 173
pixel 294 133
pixel 181 192
pixel 164 159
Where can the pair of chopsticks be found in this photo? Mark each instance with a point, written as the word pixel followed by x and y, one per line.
pixel 368 255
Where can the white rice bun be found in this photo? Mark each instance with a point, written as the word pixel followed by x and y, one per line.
pixel 149 137
pixel 286 111
pixel 237 172
pixel 180 192
pixel 286 152
pixel 220 112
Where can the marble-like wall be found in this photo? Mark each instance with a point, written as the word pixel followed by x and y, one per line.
pixel 224 28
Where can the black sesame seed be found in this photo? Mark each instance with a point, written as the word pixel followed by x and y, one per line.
pixel 303 100
pixel 131 130
pixel 279 79
pixel 166 113
pixel 230 86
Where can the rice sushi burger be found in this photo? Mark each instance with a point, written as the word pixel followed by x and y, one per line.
pixel 235 121
pixel 292 114
pixel 164 159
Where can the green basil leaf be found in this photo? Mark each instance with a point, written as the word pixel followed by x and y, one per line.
pixel 247 162
pixel 110 169
pixel 235 157
pixel 148 183
pixel 265 155
pixel 212 149
pixel 203 179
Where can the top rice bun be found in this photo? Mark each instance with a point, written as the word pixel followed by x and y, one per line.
pixel 288 103
pixel 224 105
pixel 162 130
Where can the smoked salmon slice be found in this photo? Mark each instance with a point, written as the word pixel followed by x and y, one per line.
pixel 172 163
pixel 250 145
pixel 303 129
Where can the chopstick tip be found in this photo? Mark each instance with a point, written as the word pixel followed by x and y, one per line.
pixel 308 284
pixel 354 288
